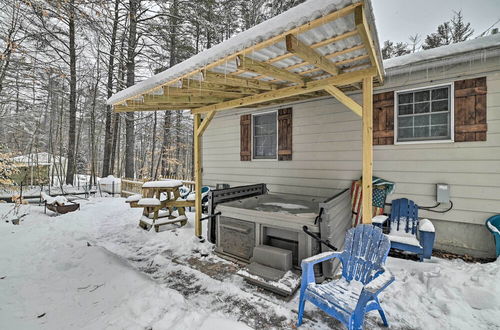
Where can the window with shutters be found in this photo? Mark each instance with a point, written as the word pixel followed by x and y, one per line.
pixel 424 114
pixel 265 135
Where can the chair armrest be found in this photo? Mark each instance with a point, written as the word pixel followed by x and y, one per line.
pixel 379 283
pixel 426 225
pixel 320 258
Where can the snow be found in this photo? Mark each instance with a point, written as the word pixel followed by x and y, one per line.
pixel 426 225
pixel 453 50
pixel 49 270
pixel 129 278
pixel 110 180
pixel 492 228
pixel 287 206
pixel 162 184
pixel 404 239
pixel 290 281
pixel 133 198
pixel 149 202
pixel 379 219
pixel 296 16
pixel 60 200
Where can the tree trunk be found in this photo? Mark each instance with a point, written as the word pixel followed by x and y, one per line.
pixel 154 145
pixel 129 125
pixel 166 143
pixel 72 96
pixel 108 136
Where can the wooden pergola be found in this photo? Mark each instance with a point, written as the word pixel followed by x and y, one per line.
pixel 308 61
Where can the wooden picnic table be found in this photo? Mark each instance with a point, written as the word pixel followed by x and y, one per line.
pixel 160 195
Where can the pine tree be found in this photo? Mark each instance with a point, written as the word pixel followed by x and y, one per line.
pixel 449 32
pixel 393 50
pixel 461 31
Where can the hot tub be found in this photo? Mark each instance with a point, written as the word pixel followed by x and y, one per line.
pixel 277 220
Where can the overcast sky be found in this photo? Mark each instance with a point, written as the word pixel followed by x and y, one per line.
pixel 398 19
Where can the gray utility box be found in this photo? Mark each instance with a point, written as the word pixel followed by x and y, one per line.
pixel 277 220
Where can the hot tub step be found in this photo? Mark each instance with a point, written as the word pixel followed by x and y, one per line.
pixel 273 257
pixel 268 273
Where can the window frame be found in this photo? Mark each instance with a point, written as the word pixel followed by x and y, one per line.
pixel 451 85
pixel 252 138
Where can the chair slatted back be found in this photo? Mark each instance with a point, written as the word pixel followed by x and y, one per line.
pixel 365 251
pixel 404 215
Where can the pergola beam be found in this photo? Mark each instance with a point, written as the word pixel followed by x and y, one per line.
pixel 363 29
pixel 312 86
pixel 183 99
pixel 345 100
pixel 297 47
pixel 157 107
pixel 204 124
pixel 175 91
pixel 268 70
pixel 197 84
pixel 230 80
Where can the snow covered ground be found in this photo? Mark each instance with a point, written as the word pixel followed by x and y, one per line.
pixel 96 269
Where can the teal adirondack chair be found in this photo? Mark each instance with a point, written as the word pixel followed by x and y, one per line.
pixel 493 225
pixel 363 278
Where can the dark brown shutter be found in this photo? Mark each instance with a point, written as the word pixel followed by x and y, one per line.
pixel 285 134
pixel 470 110
pixel 246 137
pixel 383 118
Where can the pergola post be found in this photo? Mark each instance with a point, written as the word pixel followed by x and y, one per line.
pixel 367 137
pixel 199 128
pixel 197 174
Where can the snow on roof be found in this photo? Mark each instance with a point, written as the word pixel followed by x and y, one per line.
pixel 295 17
pixel 448 51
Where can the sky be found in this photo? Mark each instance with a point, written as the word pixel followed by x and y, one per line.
pixel 398 19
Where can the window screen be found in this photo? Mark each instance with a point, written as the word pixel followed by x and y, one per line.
pixel 264 136
pixel 424 114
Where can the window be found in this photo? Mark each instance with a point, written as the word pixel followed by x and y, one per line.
pixel 424 114
pixel 265 135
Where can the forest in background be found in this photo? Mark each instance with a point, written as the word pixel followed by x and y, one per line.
pixel 60 60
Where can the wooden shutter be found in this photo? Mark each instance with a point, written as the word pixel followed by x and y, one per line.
pixel 246 137
pixel 383 118
pixel 285 134
pixel 470 110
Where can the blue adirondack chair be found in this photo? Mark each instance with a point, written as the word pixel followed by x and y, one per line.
pixel 363 278
pixel 407 231
pixel 493 225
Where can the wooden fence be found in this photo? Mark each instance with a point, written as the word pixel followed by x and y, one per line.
pixel 131 187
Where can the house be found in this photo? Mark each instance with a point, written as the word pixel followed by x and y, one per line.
pixel 436 120
pixel 265 96
pixel 39 168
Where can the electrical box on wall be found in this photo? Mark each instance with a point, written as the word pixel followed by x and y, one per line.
pixel 442 193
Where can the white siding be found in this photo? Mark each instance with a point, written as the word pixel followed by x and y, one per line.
pixel 327 156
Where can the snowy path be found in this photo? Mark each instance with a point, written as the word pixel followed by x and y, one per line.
pixel 130 278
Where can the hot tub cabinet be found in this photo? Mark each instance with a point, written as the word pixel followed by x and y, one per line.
pixel 277 220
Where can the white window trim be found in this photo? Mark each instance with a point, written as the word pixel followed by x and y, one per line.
pixel 452 114
pixel 252 140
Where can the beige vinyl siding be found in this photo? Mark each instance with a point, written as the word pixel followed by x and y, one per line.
pixel 327 156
